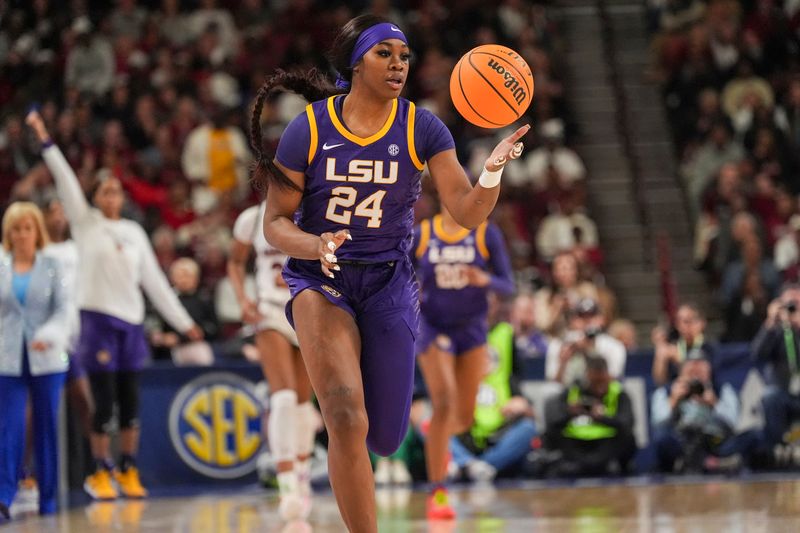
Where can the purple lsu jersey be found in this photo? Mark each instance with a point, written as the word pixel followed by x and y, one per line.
pixel 441 262
pixel 367 185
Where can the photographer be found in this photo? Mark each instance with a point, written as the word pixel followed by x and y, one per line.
pixel 566 356
pixel 777 345
pixel 671 350
pixel 693 419
pixel 591 425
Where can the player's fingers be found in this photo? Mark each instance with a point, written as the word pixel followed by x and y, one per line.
pixel 516 151
pixel 327 271
pixel 517 135
pixel 342 235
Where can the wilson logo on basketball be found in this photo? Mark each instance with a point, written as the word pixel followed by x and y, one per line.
pixel 215 425
pixel 491 86
pixel 511 82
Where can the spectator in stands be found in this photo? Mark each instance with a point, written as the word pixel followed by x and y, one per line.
pixel 591 425
pixel 185 277
pixel 699 170
pixel 565 228
pixel 584 338
pixel 777 345
pixel 787 250
pixel 694 419
pixel 671 350
pixel 754 273
pixel 567 164
pixel 566 289
pixel 625 332
pixel 746 90
pixel 503 428
pixel 747 311
pixel 529 341
pixel 216 159
pixel 90 63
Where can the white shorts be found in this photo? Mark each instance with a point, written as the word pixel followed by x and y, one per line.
pixel 275 319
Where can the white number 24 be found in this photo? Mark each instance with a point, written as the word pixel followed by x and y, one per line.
pixel 345 197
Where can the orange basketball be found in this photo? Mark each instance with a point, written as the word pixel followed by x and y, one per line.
pixel 491 86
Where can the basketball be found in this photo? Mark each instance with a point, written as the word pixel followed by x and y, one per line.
pixel 491 86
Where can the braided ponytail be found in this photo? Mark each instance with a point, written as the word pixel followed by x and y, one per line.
pixel 312 86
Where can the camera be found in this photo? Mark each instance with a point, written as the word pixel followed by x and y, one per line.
pixel 696 388
pixel 591 332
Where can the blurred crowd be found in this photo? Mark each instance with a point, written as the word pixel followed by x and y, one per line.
pixel 731 78
pixel 158 94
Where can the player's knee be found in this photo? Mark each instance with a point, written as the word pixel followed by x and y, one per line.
pixel 347 420
pixel 463 423
pixel 443 404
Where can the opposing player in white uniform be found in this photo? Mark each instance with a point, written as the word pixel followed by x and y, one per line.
pixel 292 421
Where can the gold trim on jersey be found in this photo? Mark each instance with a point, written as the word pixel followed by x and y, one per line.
pixel 424 238
pixel 361 141
pixel 480 240
pixel 449 238
pixel 412 150
pixel 312 126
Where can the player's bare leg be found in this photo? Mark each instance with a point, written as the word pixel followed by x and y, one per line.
pixel 452 384
pixel 331 347
pixel 277 363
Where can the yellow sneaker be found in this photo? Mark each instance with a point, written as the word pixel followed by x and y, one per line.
pixel 100 487
pixel 129 483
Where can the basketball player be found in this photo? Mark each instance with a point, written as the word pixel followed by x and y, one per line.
pixel 351 164
pixel 456 268
pixel 292 424
pixel 116 260
pixel 65 249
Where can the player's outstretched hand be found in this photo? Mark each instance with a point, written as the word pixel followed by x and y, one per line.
pixel 34 120
pixel 328 244
pixel 508 149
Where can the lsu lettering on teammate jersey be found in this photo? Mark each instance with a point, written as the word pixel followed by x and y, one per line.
pixel 249 229
pixel 442 261
pixel 365 184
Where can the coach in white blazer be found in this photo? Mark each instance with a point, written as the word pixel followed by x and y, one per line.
pixel 34 331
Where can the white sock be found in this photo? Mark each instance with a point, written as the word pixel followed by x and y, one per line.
pixel 287 482
pixel 305 428
pixel 281 425
pixel 306 431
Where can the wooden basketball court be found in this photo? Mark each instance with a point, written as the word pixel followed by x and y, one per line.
pixel 717 506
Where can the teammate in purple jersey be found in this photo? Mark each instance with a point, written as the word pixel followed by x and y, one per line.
pixel 351 164
pixel 456 268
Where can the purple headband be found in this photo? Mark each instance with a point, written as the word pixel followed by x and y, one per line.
pixel 369 38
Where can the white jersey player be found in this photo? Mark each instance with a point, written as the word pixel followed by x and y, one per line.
pixel 292 420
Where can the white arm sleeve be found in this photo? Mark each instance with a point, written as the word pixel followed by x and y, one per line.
pixel 69 189
pixel 159 292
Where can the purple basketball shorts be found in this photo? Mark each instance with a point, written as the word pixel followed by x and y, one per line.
pixel 108 344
